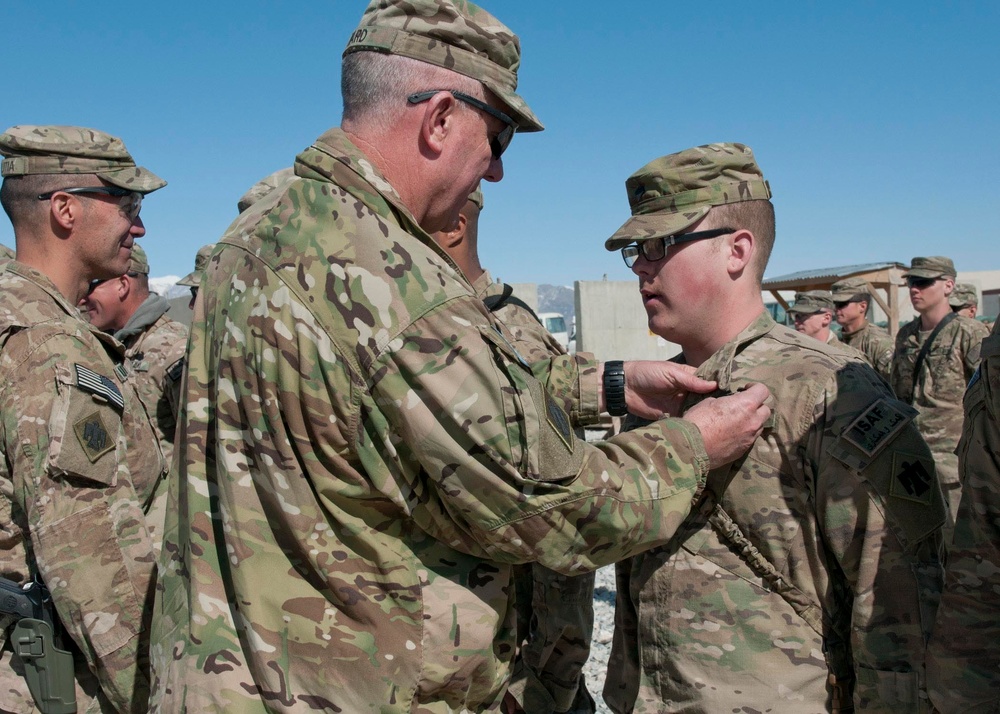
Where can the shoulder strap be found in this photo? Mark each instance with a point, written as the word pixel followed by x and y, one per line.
pixel 927 348
pixel 495 302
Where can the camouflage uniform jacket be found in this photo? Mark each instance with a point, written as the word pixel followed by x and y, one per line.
pixel 155 346
pixel 363 456
pixel 821 556
pixel 555 612
pixel 875 344
pixel 963 667
pixel 80 463
pixel 937 391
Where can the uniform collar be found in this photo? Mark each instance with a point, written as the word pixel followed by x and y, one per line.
pixel 719 366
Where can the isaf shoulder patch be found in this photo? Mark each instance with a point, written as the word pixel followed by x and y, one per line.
pixel 877 425
pixel 93 436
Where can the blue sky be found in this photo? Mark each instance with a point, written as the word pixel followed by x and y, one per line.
pixel 877 124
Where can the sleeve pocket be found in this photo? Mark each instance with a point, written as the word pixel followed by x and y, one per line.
pixel 84 432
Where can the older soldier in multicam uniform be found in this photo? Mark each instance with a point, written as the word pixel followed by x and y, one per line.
pixel 935 386
pixel 806 578
pixel 964 300
pixel 80 459
pixel 555 613
pixel 851 298
pixel 364 451
pixel 154 343
pixel 963 665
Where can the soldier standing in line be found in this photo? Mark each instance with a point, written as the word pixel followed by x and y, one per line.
pixel 851 299
pixel 812 314
pixel 555 612
pixel 365 453
pixel 963 666
pixel 80 458
pixel 193 279
pixel 964 300
pixel 806 579
pixel 936 356
pixel 154 344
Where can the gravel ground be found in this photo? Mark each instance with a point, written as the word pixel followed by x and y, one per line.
pixel 604 627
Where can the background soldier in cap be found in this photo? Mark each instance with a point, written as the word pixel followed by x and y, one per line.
pixel 154 343
pixel 812 313
pixel 963 665
pixel 936 355
pixel 964 300
pixel 806 577
pixel 851 298
pixel 6 253
pixel 193 279
pixel 377 452
pixel 555 613
pixel 81 461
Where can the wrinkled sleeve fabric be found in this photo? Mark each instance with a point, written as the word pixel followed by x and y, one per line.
pixel 501 475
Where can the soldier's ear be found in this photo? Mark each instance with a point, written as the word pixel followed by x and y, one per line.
pixel 741 245
pixel 123 287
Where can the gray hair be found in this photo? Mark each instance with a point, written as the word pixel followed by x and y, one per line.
pixel 374 86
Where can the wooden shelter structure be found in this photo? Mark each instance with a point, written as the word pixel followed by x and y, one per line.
pixel 884 280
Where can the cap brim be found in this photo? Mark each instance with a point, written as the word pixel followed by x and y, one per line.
pixel 518 108
pixel 134 178
pixel 191 280
pixel 845 297
pixel 654 225
pixel 923 273
pixel 804 310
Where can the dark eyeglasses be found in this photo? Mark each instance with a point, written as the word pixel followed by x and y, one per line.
pixel 130 207
pixel 920 283
pixel 501 141
pixel 94 284
pixel 655 248
pixel 841 304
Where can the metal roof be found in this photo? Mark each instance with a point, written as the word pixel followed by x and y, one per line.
pixel 834 273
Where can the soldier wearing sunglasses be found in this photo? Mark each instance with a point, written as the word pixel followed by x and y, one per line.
pixel 80 459
pixel 936 355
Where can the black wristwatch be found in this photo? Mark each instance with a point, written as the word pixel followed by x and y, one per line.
pixel 614 388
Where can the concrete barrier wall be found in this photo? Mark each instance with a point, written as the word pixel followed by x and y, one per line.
pixel 611 322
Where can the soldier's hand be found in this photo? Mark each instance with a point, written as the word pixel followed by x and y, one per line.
pixel 655 388
pixel 729 425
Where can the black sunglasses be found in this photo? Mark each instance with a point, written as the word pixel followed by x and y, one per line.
pixel 501 141
pixel 654 249
pixel 131 208
pixel 94 284
pixel 920 283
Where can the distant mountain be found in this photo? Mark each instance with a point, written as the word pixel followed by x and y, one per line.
pixel 167 287
pixel 557 298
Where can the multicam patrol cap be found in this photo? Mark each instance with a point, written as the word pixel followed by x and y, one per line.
pixel 812 301
pixel 264 187
pixel 193 279
pixel 937 266
pixel 964 295
pixel 452 34
pixel 676 191
pixel 139 263
pixel 851 290
pixel 73 150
